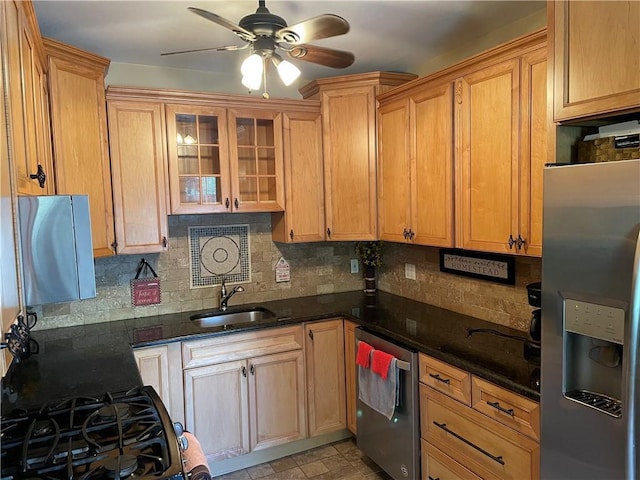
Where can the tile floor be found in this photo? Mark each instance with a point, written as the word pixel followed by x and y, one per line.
pixel 341 460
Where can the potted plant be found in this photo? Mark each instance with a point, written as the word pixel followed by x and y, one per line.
pixel 370 255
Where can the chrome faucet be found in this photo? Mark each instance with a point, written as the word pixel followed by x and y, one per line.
pixel 224 296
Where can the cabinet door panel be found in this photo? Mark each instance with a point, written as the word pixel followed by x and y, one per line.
pixel 536 126
pixel 255 146
pixel 216 408
pixel 138 167
pixel 432 167
pixel 350 163
pixel 394 167
pixel 596 57
pixel 325 376
pixel 303 220
pixel 79 131
pixel 277 399
pixel 488 149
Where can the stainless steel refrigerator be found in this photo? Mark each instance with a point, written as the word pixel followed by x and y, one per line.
pixel 590 321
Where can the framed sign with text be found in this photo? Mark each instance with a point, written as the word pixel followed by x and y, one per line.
pixel 485 266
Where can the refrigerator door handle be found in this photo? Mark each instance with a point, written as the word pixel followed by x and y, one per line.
pixel 633 385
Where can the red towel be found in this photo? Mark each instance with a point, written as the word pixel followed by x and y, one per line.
pixel 362 358
pixel 380 363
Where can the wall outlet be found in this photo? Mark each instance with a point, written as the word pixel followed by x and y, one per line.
pixel 410 271
pixel 355 266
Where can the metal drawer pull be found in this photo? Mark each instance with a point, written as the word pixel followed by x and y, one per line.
pixel 440 379
pixel 443 426
pixel 497 406
pixel 431 478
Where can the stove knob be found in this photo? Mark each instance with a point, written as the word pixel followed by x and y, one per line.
pixel 183 443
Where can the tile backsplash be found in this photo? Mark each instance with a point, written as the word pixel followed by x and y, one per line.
pixel 316 268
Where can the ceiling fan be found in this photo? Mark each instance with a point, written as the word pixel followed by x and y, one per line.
pixel 267 34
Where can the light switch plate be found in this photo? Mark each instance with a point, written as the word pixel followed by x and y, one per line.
pixel 410 271
pixel 355 267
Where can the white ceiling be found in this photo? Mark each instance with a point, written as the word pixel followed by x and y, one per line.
pixel 384 35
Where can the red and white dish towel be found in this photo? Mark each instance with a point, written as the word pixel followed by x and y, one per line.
pixel 377 379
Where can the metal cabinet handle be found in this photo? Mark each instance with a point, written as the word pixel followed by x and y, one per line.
pixel 411 234
pixel 329 232
pixel 236 202
pixel 226 203
pixel 405 233
pixel 495 458
pixel 244 371
pixel 497 406
pixel 440 379
pixel 311 334
pixel 291 234
pixel 40 176
pixel 511 242
pixel 431 478
pixel 164 242
pixel 520 242
pixel 252 370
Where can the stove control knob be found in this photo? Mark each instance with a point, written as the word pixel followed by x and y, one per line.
pixel 183 443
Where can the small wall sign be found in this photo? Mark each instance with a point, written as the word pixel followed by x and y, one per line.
pixel 283 272
pixel 485 266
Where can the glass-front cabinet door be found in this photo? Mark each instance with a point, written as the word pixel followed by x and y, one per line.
pixel 255 140
pixel 198 159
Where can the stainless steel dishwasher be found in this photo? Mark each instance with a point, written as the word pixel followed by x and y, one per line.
pixel 394 445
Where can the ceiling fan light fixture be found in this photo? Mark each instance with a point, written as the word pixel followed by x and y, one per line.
pixel 251 70
pixel 287 71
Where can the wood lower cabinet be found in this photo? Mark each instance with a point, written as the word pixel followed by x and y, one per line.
pixel 79 132
pixel 161 367
pixel 471 428
pixel 303 218
pixel 139 175
pixel 245 392
pixel 350 349
pixel 348 106
pixel 415 167
pixel 596 57
pixel 324 352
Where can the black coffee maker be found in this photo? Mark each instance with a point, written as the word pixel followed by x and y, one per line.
pixel 532 344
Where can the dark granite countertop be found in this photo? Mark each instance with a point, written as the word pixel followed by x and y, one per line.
pixel 93 359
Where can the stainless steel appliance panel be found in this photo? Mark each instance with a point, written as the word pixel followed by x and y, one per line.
pixel 394 445
pixel 56 247
pixel 591 227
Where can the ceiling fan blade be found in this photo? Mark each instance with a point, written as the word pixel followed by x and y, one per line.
pixel 322 56
pixel 212 17
pixel 217 49
pixel 316 28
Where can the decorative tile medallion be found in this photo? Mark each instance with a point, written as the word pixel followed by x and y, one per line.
pixel 219 253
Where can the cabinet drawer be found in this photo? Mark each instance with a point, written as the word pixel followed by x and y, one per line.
pixel 508 408
pixel 226 348
pixel 484 446
pixel 449 380
pixel 437 465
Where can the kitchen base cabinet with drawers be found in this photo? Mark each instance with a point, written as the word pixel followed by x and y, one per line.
pixel 471 428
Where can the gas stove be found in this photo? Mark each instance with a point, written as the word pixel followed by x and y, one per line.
pixel 121 435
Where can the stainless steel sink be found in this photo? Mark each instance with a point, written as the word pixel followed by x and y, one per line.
pixel 234 316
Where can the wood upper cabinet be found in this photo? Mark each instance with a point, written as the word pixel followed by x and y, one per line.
pixel 503 125
pixel 255 153
pixel 348 107
pixel 224 159
pixel 415 167
pixel 303 219
pixel 324 351
pixel 160 367
pixel 595 49
pixel 139 174
pixel 79 132
pixel 28 100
